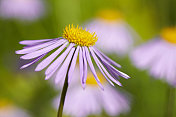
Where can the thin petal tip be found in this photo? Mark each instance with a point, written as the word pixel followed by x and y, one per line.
pixel 21 42
pixel 22 57
pixel 120 85
pixel 46 78
pixel 127 76
pixel 22 67
pixel 102 88
pixel 37 69
pixel 84 86
pixel 17 52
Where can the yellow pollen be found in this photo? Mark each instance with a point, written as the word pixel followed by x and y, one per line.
pixel 79 36
pixel 91 79
pixel 109 15
pixel 169 34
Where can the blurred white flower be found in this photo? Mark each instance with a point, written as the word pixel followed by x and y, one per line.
pixel 21 9
pixel 92 100
pixel 115 35
pixel 8 110
pixel 158 56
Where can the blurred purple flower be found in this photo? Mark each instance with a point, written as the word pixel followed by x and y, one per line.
pixel 81 103
pixel 115 35
pixel 75 41
pixel 158 56
pixel 21 9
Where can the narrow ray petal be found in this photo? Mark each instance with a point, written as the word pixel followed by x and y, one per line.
pixel 93 69
pixel 116 71
pixel 50 58
pixel 34 61
pixel 59 60
pixel 112 68
pixel 48 76
pixel 84 67
pixel 64 68
pixel 32 42
pixel 95 58
pixel 81 65
pixel 106 72
pixel 113 74
pixel 42 51
pixel 34 48
pixel 99 53
pixel 72 66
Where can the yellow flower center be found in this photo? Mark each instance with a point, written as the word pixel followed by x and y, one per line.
pixel 109 15
pixel 91 80
pixel 79 36
pixel 169 34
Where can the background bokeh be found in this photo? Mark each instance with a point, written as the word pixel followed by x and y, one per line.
pixel 29 91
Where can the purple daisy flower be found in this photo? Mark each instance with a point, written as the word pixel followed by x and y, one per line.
pixel 75 41
pixel 112 101
pixel 158 56
pixel 115 35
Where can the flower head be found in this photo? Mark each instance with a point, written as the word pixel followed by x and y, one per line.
pixel 158 56
pixel 75 41
pixel 79 36
pixel 115 35
pixel 21 9
pixel 92 101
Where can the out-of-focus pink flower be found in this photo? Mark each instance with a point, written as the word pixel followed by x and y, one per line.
pixel 115 35
pixel 92 100
pixel 21 9
pixel 158 56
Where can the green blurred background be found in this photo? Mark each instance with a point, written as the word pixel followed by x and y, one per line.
pixel 29 90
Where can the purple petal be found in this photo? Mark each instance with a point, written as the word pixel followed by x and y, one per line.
pixel 72 66
pixel 93 69
pixel 81 65
pixel 103 56
pixel 42 51
pixel 114 75
pixel 84 68
pixel 104 61
pixel 32 42
pixel 110 66
pixel 34 61
pixel 34 48
pixel 116 71
pixel 39 43
pixel 101 66
pixel 95 58
pixel 50 58
pixel 48 76
pixel 59 60
pixel 112 72
pixel 63 69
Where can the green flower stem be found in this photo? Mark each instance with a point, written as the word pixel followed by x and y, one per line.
pixel 63 95
pixel 64 91
pixel 170 102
